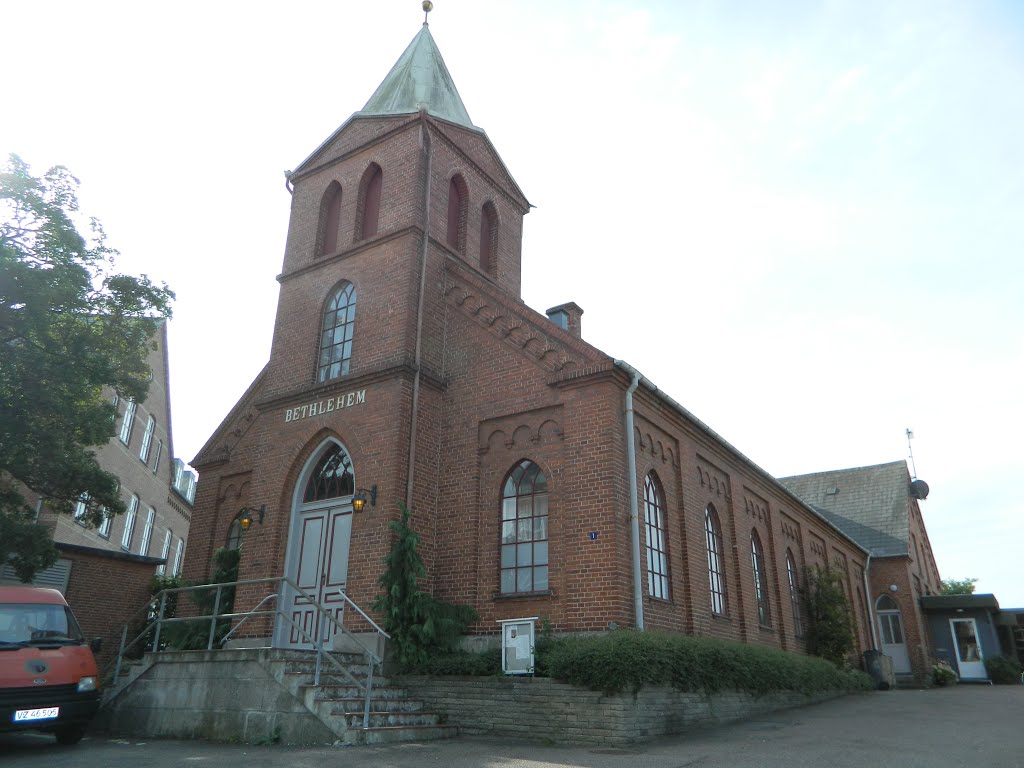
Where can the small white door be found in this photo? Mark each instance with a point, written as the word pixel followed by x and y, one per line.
pixel 890 630
pixel 968 649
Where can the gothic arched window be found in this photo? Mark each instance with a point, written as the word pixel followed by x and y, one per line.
pixel 368 209
pixel 716 575
pixel 331 477
pixel 657 538
pixel 764 613
pixel 457 196
pixel 524 530
pixel 794 594
pixel 336 333
pixel 330 220
pixel 489 239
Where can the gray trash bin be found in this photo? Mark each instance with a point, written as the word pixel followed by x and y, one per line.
pixel 879 666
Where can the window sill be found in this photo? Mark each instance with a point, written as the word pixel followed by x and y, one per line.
pixel 519 595
pixel 766 629
pixel 721 617
pixel 662 600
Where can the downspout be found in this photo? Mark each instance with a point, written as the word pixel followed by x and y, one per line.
pixel 634 511
pixel 870 602
pixel 410 470
pixel 288 182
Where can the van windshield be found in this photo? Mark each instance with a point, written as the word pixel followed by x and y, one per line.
pixel 24 624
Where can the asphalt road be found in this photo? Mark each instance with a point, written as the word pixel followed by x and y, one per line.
pixel 975 726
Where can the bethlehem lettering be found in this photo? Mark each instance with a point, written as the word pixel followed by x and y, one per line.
pixel 325 406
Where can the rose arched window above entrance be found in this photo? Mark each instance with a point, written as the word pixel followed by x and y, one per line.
pixel 332 477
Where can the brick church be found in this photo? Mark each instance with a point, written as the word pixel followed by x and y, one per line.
pixel 545 478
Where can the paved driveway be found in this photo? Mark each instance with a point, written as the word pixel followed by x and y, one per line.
pixel 975 726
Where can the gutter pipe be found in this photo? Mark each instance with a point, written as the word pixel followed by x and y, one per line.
pixel 634 511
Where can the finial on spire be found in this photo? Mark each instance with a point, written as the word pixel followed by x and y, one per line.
pixel 427 8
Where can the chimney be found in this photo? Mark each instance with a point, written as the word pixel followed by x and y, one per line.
pixel 567 317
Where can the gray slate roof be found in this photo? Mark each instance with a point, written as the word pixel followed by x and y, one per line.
pixel 868 504
pixel 419 79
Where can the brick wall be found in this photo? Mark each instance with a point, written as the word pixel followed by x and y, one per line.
pixel 104 592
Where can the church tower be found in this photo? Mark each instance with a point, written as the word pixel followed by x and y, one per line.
pixel 352 401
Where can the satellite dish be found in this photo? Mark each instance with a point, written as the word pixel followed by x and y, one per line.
pixel 919 489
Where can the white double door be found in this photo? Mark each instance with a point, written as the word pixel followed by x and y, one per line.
pixel 317 562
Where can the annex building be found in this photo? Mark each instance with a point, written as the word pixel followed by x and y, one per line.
pixel 545 478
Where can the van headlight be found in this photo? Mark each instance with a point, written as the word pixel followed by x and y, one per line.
pixel 87 684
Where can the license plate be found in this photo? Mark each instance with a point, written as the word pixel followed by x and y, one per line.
pixel 47 713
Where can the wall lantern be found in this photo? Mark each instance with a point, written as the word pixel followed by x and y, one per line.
pixel 359 499
pixel 248 514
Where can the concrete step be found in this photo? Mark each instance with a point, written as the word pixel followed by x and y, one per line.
pixel 397 733
pixel 389 719
pixel 349 705
pixel 349 691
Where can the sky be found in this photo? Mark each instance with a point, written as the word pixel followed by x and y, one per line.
pixel 802 220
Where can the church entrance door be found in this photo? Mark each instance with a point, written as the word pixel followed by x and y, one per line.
pixel 318 550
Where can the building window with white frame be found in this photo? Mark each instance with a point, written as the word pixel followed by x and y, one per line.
pixel 147 440
pixel 127 421
pixel 81 509
pixel 162 568
pixel 157 455
pixel 147 532
pixel 129 523
pixel 657 538
pixel 178 556
pixel 104 529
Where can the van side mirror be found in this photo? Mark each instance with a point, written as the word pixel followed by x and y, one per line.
pixel 96 644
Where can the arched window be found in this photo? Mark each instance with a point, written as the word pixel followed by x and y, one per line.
pixel 235 533
pixel 489 239
pixel 794 594
pixel 657 538
pixel 764 613
pixel 524 530
pixel 457 196
pixel 331 477
pixel 330 220
pixel 336 333
pixel 716 576
pixel 368 209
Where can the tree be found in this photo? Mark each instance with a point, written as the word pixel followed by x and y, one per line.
pixel 830 631
pixel 419 625
pixel 71 327
pixel 958 586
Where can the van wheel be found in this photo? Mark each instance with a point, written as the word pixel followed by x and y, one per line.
pixel 70 734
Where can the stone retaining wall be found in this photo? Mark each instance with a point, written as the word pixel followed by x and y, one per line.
pixel 542 709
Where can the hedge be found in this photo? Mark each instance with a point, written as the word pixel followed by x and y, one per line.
pixel 628 660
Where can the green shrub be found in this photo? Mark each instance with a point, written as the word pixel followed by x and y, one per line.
pixel 943 674
pixel 627 661
pixel 1003 671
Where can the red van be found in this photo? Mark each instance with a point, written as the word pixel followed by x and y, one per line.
pixel 48 676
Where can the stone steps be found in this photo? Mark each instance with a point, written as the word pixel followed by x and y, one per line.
pixel 339 703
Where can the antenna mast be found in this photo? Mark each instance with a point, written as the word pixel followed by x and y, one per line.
pixel 910 449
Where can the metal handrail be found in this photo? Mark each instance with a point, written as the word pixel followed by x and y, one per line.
pixel 160 619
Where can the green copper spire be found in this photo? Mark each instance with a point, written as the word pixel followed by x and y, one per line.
pixel 419 79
